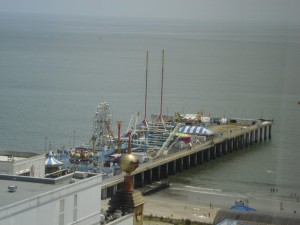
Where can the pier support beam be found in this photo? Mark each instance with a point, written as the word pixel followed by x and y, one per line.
pixel 208 154
pixel 256 136
pixel 219 149
pixel 150 176
pixel 200 157
pixel 119 186
pixel 170 166
pixel 229 145
pixel 234 142
pixel 238 143
pixel 188 162
pixel 142 179
pixel 265 133
pixel 270 131
pixel 194 160
pixel 251 137
pixel 174 167
pixel 180 165
pixel 260 134
pixel 109 191
pixel 166 171
pixel 159 172
pixel 139 179
pixel 225 147
pixel 241 141
pixel 104 193
pixel 114 189
pixel 214 149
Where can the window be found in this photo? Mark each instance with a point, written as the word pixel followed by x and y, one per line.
pixel 75 208
pixel 62 212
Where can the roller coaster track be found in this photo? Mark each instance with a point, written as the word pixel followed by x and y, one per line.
pixel 167 142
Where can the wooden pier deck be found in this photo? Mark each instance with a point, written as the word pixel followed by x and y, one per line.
pixel 231 138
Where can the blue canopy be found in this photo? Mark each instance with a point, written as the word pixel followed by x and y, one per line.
pixel 242 208
pixel 195 130
pixel 51 161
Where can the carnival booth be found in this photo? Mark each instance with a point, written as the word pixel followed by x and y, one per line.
pixel 51 164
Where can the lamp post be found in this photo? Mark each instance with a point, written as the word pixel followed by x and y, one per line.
pixel 46 143
pixel 74 138
pixel 225 120
pixel 119 138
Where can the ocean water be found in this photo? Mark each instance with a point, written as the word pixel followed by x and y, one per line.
pixel 55 70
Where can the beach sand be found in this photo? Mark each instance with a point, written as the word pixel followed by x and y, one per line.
pixel 160 205
pixel 203 207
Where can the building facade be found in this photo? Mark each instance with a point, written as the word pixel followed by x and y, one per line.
pixel 22 163
pixel 72 202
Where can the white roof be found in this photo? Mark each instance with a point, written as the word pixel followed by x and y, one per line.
pixel 195 130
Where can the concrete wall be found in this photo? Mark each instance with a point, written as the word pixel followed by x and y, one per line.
pixel 6 168
pixel 35 164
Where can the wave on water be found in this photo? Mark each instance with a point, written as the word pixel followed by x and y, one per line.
pixel 208 191
pixel 202 193
pixel 203 189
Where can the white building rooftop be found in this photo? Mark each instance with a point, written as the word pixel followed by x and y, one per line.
pixel 30 188
pixel 27 200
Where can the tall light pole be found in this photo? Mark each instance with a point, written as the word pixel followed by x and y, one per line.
pixel 74 138
pixel 119 131
pixel 46 143
pixel 226 121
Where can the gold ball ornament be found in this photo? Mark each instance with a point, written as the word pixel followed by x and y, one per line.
pixel 129 163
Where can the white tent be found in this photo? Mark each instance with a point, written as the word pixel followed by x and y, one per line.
pixel 51 161
pixel 195 130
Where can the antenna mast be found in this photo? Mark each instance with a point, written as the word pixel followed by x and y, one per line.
pixel 145 119
pixel 162 84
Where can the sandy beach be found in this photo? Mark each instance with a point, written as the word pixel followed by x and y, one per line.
pixel 161 205
pixel 158 206
pixel 168 208
pixel 203 207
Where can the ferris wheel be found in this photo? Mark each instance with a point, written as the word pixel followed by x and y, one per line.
pixel 103 123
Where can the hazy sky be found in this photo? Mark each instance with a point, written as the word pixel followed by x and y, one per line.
pixel 240 10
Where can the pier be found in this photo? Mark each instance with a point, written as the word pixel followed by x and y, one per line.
pixel 233 138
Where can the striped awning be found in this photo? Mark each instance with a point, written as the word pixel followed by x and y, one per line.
pixel 195 130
